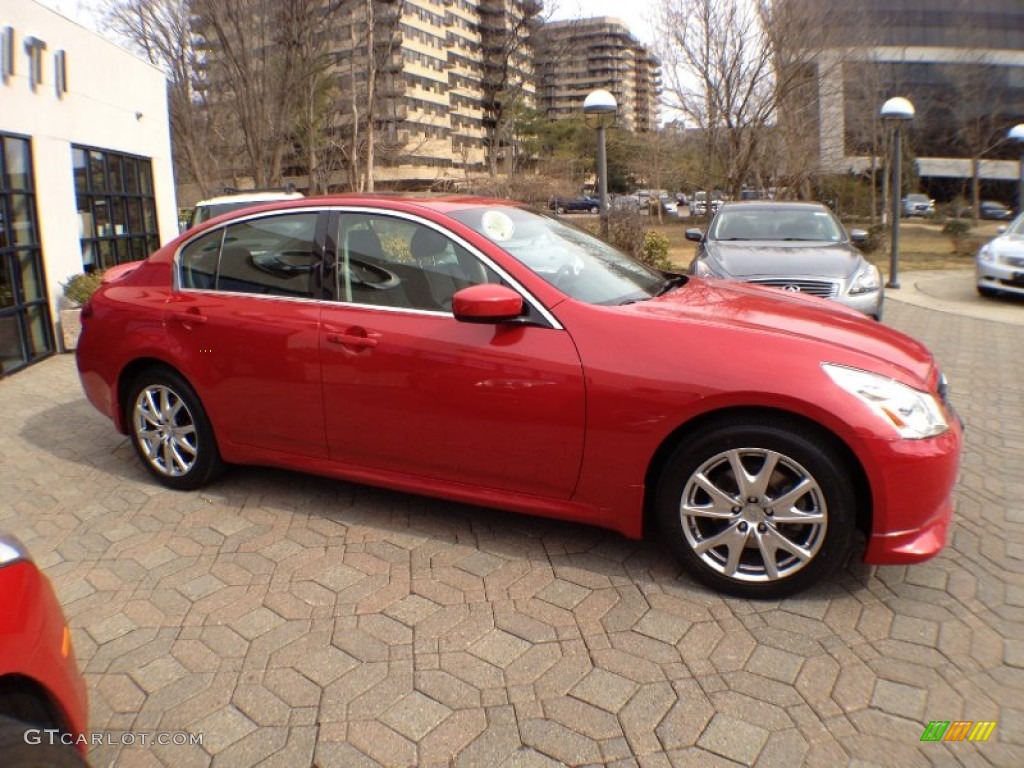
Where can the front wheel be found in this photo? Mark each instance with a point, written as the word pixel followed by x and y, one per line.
pixel 759 508
pixel 560 210
pixel 170 430
pixel 595 210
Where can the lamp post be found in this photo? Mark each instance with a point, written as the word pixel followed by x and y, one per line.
pixel 896 112
pixel 601 106
pixel 1017 134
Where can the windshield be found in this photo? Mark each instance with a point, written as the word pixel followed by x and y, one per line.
pixel 812 224
pixel 1017 227
pixel 572 260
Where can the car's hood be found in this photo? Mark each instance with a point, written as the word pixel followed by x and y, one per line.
pixel 726 302
pixel 1008 245
pixel 757 258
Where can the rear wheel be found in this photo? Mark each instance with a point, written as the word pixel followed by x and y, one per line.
pixel 560 210
pixel 170 430
pixel 757 509
pixel 595 209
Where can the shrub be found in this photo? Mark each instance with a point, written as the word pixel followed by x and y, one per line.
pixel 80 288
pixel 957 231
pixel 655 250
pixel 626 232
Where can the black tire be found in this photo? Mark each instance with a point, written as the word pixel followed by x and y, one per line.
pixel 170 430
pixel 821 517
pixel 19 750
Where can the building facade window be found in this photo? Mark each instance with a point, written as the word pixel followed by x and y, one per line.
pixel 116 208
pixel 25 328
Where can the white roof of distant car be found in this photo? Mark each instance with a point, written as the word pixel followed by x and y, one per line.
pixel 255 197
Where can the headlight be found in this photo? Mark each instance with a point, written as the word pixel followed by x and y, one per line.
pixel 912 413
pixel 985 254
pixel 867 280
pixel 11 550
pixel 701 269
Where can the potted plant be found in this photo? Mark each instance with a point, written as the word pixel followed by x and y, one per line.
pixel 77 290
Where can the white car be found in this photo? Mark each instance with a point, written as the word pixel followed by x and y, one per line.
pixel 1000 262
pixel 233 201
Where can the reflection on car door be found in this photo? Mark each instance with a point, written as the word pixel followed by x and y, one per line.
pixel 245 317
pixel 409 389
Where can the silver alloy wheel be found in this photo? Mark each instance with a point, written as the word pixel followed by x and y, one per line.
pixel 165 430
pixel 753 515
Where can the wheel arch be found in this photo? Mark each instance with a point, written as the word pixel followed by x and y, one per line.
pixel 25 699
pixel 124 382
pixel 766 416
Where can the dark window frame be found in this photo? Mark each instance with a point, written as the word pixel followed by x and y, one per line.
pixel 121 185
pixel 21 263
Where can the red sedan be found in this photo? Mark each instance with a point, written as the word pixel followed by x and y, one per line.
pixel 475 350
pixel 43 704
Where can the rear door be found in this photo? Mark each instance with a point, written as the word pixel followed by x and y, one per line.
pixel 246 316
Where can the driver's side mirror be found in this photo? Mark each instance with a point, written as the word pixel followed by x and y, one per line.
pixel 487 303
pixel 695 235
pixel 858 236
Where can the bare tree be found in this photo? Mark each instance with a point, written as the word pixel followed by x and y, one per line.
pixel 253 61
pixel 161 31
pixel 749 76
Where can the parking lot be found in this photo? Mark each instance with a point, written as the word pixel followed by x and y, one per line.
pixel 293 621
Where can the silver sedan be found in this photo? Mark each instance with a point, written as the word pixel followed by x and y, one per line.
pixel 1000 262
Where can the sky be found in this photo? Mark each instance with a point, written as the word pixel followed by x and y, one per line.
pixel 638 15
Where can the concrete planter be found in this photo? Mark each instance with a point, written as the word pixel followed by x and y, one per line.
pixel 70 327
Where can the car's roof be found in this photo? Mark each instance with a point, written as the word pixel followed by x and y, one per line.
pixel 762 205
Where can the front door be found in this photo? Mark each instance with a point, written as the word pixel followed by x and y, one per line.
pixel 409 389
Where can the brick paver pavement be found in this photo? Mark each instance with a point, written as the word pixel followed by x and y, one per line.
pixel 294 620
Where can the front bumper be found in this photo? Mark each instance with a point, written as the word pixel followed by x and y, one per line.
pixel 996 276
pixel 868 303
pixel 912 485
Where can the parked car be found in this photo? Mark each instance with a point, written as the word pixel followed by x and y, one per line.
pixel 993 210
pixel 236 200
pixel 999 265
pixel 699 203
pixel 481 352
pixel 797 247
pixel 918 205
pixel 575 205
pixel 43 704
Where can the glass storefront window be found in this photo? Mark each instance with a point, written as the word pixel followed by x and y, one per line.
pixel 117 212
pixel 25 328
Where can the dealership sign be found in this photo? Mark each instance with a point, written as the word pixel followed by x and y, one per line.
pixel 33 48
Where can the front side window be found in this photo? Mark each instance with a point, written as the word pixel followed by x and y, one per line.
pixel 572 260
pixel 271 255
pixel 388 261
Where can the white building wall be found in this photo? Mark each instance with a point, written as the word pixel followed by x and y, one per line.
pixel 114 101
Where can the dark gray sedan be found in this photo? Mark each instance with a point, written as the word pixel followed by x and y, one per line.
pixel 798 247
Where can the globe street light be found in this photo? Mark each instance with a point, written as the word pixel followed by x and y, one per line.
pixel 896 112
pixel 601 106
pixel 1017 134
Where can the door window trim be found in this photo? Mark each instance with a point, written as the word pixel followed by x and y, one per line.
pixel 330 255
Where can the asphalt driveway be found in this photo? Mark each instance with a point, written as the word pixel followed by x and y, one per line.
pixel 294 621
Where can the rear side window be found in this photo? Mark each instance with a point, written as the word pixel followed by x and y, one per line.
pixel 272 255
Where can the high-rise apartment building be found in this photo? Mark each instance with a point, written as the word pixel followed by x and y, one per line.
pixel 449 76
pixel 578 56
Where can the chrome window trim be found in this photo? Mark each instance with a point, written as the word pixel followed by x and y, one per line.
pixel 341 209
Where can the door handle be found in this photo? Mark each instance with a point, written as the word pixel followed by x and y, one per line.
pixel 352 341
pixel 189 317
